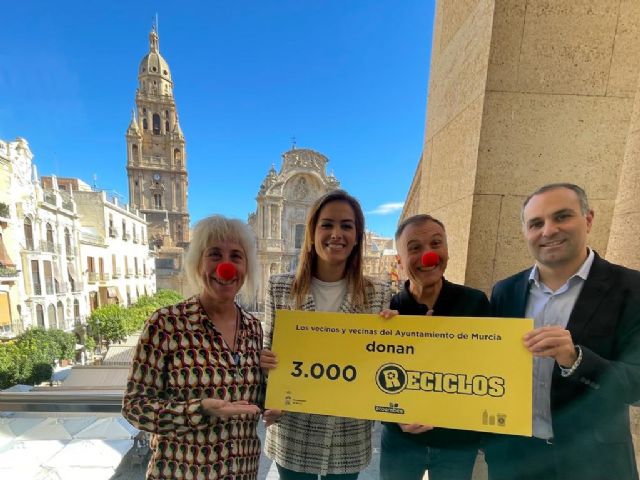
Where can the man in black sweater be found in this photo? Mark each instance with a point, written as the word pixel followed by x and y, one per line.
pixel 409 450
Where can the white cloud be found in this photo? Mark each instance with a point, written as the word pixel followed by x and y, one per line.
pixel 387 208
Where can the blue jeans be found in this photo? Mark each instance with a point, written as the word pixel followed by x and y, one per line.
pixel 402 458
pixel 286 474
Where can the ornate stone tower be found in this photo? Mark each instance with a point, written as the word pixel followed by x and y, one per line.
pixel 156 155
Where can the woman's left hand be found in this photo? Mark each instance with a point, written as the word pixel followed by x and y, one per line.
pixel 223 409
pixel 387 313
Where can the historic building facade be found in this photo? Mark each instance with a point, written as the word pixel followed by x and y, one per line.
pixel 42 231
pixel 117 265
pixel 156 165
pixel 282 204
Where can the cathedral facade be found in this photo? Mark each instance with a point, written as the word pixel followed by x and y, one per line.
pixel 282 205
pixel 156 165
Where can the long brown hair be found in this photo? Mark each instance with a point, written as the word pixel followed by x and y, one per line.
pixel 307 263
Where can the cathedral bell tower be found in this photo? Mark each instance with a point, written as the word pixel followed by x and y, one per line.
pixel 156 155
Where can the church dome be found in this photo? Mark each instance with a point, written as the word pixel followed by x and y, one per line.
pixel 153 63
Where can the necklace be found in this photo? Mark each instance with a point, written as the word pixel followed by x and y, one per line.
pixel 236 347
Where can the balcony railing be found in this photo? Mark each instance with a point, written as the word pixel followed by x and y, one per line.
pixel 50 198
pixel 113 232
pixel 8 272
pixel 129 273
pixel 67 205
pixel 37 288
pixel 77 286
pixel 117 273
pixel 63 288
pixel 47 246
pixel 105 277
pixel 136 239
pixel 71 251
pixel 49 286
pixel 29 245
pixel 93 277
pixel 126 236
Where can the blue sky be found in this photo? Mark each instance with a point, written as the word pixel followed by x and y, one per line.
pixel 347 78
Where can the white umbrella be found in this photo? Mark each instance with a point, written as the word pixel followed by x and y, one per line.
pixel 57 428
pixel 13 427
pixel 71 473
pixel 30 453
pixel 91 453
pixel 109 428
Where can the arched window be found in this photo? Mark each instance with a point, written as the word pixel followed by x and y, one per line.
pixel 156 124
pixel 40 315
pixel 49 244
pixel 166 126
pixel 51 316
pixel 67 241
pixel 76 311
pixel 145 124
pixel 28 233
pixel 157 201
pixel 61 322
pixel 134 152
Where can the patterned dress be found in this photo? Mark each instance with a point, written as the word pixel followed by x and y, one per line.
pixel 319 444
pixel 181 359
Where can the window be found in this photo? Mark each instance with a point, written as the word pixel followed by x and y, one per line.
pixel 40 316
pixel 28 233
pixel 48 277
pixel 157 201
pixel 156 124
pixel 61 322
pixel 49 244
pixel 67 241
pixel 145 124
pixel 299 236
pixel 35 277
pixel 76 310
pixel 51 316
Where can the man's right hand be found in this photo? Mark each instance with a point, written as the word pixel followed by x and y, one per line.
pixel 415 428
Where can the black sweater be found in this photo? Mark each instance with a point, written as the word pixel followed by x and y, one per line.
pixel 454 301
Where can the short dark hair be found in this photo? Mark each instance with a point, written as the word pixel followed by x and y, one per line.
pixel 579 191
pixel 416 220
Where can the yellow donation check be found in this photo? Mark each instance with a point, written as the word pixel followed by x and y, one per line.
pixel 454 372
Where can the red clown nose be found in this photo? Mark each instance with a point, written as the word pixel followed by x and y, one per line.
pixel 226 271
pixel 430 259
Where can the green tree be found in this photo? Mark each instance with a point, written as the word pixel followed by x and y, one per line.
pixel 30 357
pixel 108 323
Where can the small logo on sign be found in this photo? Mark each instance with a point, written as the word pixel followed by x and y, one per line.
pixel 391 378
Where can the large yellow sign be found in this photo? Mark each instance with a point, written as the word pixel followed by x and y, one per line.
pixel 454 372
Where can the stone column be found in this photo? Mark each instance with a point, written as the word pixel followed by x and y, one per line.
pixel 523 93
pixel 624 236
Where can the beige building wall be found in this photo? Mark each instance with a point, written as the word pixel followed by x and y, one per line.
pixel 523 93
pixel 623 244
